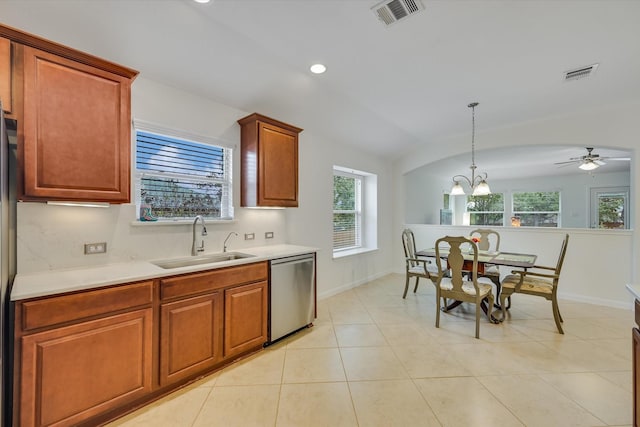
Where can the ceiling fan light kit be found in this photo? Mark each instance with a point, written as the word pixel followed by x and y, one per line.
pixel 591 161
pixel 478 183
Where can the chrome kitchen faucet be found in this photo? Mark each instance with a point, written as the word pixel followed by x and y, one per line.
pixel 224 245
pixel 194 249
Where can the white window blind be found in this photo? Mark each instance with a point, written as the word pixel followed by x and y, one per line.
pixel 179 178
pixel 347 211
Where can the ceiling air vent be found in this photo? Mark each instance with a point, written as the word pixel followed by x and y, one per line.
pixel 580 73
pixel 392 11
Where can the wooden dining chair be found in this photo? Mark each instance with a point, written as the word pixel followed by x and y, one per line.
pixel 460 285
pixel 541 284
pixel 489 241
pixel 416 267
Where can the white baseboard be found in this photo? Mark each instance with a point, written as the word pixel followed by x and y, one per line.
pixel 628 305
pixel 335 291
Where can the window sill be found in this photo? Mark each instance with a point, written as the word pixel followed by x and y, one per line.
pixel 181 222
pixel 351 252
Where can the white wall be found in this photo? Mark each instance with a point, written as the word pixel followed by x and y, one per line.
pixel 610 126
pixel 426 191
pixel 595 269
pixel 52 237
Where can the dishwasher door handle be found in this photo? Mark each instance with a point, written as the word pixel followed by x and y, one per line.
pixel 292 260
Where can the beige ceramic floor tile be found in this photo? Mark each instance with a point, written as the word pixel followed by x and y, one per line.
pixel 537 403
pixel 382 315
pixel 241 406
pixel 316 405
pixel 588 357
pixel 359 336
pixel 264 368
pixel 372 363
pixel 390 403
pixel 349 315
pixel 313 365
pixel 464 402
pixel 620 347
pixel 405 334
pixel 622 379
pixel 176 410
pixel 587 390
pixel 426 361
pixel 318 336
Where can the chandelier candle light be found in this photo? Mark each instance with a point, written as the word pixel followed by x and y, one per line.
pixel 479 188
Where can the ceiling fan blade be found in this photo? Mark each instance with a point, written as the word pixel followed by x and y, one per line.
pixel 568 162
pixel 599 162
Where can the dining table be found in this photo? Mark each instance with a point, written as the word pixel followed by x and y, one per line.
pixel 486 258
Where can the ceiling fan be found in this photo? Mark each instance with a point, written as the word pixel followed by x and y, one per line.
pixel 591 161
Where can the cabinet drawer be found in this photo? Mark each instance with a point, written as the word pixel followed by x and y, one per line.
pixel 66 308
pixel 637 311
pixel 193 284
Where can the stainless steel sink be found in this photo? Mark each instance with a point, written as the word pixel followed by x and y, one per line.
pixel 198 260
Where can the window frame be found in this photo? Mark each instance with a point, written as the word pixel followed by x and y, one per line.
pixel 356 211
pixel 518 214
pixel 470 212
pixel 226 199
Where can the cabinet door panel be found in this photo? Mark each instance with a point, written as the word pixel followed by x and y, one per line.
pixel 636 375
pixel 70 374
pixel 190 333
pixel 278 166
pixel 245 317
pixel 76 130
pixel 5 74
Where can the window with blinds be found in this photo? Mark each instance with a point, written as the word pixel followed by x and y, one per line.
pixel 180 179
pixel 347 211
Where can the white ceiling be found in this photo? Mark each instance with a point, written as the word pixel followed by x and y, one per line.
pixel 387 89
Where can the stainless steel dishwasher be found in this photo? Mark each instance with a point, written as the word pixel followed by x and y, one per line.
pixel 292 295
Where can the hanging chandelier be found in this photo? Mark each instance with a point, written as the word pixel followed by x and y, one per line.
pixel 478 183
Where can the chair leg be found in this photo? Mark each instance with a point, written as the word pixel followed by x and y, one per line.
pixel 490 307
pixel 556 315
pixel 438 309
pixel 509 306
pixel 416 287
pixel 478 318
pixel 503 297
pixel 406 287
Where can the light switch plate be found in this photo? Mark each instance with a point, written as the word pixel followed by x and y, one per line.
pixel 95 248
pixel 249 236
pixel 268 235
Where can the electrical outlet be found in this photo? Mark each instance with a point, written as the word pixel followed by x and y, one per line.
pixel 249 236
pixel 95 248
pixel 268 235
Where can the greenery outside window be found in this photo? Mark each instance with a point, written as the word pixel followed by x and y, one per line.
pixel 179 178
pixel 486 210
pixel 537 209
pixel 347 210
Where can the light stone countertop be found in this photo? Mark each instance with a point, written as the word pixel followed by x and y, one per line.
pixel 52 282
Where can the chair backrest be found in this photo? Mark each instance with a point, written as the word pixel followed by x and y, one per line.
pixel 563 251
pixel 409 244
pixel 487 237
pixel 455 260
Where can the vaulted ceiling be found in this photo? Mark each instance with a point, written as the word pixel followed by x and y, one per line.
pixel 387 88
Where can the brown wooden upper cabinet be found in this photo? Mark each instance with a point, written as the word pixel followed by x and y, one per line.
pixel 74 122
pixel 269 162
pixel 5 74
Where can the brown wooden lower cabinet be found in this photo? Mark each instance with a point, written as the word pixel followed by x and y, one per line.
pixel 245 317
pixel 190 336
pixel 72 373
pixel 636 377
pixel 87 357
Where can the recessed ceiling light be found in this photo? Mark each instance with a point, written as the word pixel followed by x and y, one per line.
pixel 202 1
pixel 318 68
